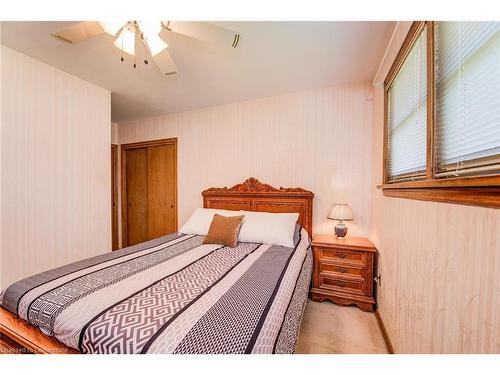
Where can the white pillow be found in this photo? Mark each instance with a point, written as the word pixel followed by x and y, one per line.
pixel 268 228
pixel 200 220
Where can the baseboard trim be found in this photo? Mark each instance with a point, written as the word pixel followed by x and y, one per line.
pixel 387 340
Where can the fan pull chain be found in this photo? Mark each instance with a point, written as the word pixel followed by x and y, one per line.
pixel 122 58
pixel 144 43
pixel 135 38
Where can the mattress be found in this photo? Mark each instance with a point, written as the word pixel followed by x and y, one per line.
pixel 173 295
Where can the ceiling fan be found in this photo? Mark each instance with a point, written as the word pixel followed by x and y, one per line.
pixel 129 36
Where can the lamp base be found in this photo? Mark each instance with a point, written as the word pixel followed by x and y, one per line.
pixel 340 230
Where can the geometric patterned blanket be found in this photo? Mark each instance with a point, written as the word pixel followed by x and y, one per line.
pixel 172 295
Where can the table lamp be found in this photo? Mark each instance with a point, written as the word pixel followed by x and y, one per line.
pixel 340 212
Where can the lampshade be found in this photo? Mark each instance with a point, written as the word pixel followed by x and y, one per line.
pixel 340 212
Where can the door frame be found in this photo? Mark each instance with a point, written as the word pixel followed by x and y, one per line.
pixel 115 241
pixel 131 146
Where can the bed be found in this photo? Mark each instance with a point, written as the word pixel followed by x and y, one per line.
pixel 174 294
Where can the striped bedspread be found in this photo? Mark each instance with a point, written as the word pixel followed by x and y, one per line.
pixel 173 295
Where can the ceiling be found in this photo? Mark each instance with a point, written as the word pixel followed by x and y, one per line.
pixel 272 58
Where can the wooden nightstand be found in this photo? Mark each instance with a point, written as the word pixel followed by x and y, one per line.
pixel 343 270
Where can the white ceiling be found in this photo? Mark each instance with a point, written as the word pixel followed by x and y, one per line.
pixel 272 58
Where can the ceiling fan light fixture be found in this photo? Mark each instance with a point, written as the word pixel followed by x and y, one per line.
pixel 112 27
pixel 144 39
pixel 151 32
pixel 126 41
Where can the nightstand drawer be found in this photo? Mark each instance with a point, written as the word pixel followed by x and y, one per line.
pixel 333 283
pixel 342 254
pixel 341 269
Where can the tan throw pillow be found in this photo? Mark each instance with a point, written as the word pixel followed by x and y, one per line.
pixel 224 230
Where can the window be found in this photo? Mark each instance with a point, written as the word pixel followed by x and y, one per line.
pixel 467 98
pixel 407 112
pixel 442 110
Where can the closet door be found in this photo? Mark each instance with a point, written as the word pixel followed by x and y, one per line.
pixel 137 195
pixel 149 202
pixel 161 190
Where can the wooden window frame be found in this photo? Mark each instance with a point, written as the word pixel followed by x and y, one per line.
pixel 472 190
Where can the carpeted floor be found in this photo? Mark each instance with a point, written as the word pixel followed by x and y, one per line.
pixel 329 328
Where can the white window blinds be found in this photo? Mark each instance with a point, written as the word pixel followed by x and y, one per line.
pixel 467 129
pixel 407 116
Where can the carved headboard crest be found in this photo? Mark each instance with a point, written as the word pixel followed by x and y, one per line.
pixel 252 186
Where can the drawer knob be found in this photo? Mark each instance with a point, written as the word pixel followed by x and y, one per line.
pixel 341 255
pixel 342 270
pixel 340 283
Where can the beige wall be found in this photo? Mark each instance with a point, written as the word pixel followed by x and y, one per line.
pixel 301 139
pixel 114 133
pixel 440 263
pixel 1 127
pixel 55 149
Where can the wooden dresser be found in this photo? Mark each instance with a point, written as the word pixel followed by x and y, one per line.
pixel 344 270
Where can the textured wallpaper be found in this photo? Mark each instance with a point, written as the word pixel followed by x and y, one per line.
pixel 440 263
pixel 319 140
pixel 55 156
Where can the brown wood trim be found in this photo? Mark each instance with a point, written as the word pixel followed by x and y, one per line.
pixel 472 196
pixel 413 34
pixel 385 335
pixel 253 195
pixel 123 186
pixel 154 142
pixel 385 145
pixel 114 197
pixel 472 181
pixel 123 181
pixel 30 337
pixel 431 101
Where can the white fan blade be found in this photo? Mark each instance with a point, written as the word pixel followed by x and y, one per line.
pixel 80 31
pixel 204 31
pixel 165 63
pixel 112 27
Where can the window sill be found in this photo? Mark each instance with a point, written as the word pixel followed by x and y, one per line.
pixel 473 191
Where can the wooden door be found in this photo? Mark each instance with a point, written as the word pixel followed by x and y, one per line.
pixel 161 190
pixel 149 190
pixel 137 195
pixel 114 198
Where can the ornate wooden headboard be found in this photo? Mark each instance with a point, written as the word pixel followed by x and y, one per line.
pixel 253 195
